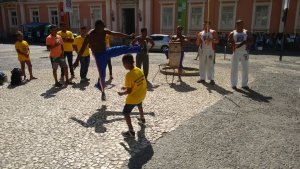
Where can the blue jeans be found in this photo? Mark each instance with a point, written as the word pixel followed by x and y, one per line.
pixel 84 66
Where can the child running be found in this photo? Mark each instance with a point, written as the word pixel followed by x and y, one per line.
pixel 23 51
pixel 135 88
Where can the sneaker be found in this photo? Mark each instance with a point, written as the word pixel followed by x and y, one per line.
pixel 103 96
pixel 128 134
pixel 234 87
pixel 141 120
pixel 201 81
pixel 246 87
pixel 212 82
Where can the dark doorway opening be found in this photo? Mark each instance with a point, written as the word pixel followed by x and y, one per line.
pixel 128 15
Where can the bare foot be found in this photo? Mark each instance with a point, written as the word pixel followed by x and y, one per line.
pixel 32 78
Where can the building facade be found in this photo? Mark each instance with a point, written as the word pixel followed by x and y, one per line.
pixel 159 16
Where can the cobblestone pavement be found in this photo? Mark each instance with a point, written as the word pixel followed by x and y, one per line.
pixel 46 127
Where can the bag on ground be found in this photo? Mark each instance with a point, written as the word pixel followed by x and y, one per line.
pixel 16 77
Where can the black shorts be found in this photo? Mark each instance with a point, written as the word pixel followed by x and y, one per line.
pixel 129 107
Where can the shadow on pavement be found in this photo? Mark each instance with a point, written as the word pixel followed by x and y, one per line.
pixel 81 86
pixel 100 117
pixel 151 87
pixel 216 88
pixel 22 83
pixel 255 95
pixel 141 150
pixel 51 92
pixel 182 87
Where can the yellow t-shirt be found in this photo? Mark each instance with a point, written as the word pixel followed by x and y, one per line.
pixel 79 42
pixel 135 80
pixel 107 40
pixel 67 45
pixel 23 47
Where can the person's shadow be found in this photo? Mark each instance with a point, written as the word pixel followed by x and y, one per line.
pixel 81 86
pixel 141 149
pixel 100 117
pixel 182 87
pixel 51 92
pixel 216 88
pixel 255 95
pixel 151 87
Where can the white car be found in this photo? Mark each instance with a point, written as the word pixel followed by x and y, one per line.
pixel 161 41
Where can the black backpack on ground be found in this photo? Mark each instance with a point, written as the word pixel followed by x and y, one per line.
pixel 16 77
pixel 3 77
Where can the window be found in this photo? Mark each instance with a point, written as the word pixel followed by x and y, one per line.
pixel 95 15
pixel 196 19
pixel 53 16
pixel 167 18
pixel 35 15
pixel 227 17
pixel 13 19
pixel 74 18
pixel 261 17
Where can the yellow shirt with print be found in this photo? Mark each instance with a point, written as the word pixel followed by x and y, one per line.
pixel 135 80
pixel 23 47
pixel 79 42
pixel 68 46
pixel 107 40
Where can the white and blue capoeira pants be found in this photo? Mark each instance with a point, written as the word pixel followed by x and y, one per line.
pixel 102 59
pixel 206 66
pixel 244 58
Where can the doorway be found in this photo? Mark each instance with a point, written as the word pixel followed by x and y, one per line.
pixel 128 20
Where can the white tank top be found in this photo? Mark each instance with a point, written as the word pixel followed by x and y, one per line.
pixel 239 37
pixel 204 35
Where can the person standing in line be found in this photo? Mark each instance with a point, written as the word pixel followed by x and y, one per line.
pixel 143 56
pixel 23 51
pixel 68 38
pixel 207 39
pixel 85 59
pixel 240 39
pixel 55 43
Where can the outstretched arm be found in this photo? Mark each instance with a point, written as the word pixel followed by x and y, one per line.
pixel 119 34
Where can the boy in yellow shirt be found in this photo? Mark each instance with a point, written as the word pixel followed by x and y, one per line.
pixel 23 51
pixel 85 58
pixel 135 88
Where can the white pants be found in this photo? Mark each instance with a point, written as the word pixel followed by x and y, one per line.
pixel 207 66
pixel 244 58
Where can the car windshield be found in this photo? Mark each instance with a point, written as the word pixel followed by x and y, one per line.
pixel 156 38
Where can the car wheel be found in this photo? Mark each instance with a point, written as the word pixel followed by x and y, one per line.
pixel 163 48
